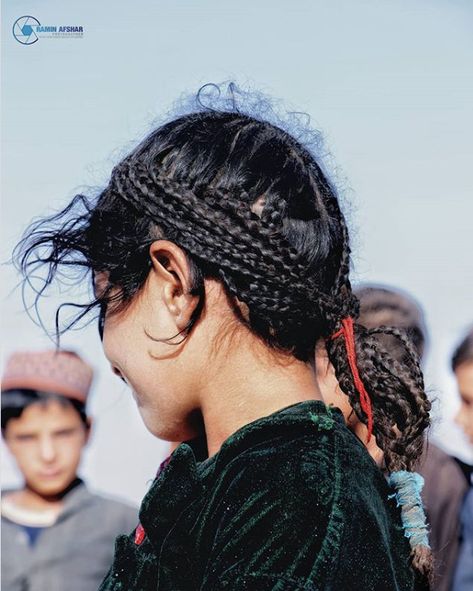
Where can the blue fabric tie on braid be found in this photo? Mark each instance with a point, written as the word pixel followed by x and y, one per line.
pixel 408 487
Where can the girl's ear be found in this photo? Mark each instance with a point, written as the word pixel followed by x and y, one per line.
pixel 172 270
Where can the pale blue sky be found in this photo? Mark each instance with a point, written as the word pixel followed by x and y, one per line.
pixel 388 83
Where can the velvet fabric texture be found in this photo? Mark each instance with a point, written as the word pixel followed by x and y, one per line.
pixel 292 501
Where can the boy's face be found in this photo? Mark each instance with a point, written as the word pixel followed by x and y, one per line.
pixel 46 442
pixel 464 375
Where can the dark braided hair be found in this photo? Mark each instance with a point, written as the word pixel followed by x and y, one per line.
pixel 382 305
pixel 250 206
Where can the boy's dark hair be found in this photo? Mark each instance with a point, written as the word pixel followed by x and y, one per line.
pixel 250 206
pixel 388 306
pixel 15 401
pixel 464 352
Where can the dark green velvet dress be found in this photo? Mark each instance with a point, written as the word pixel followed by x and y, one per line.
pixel 292 501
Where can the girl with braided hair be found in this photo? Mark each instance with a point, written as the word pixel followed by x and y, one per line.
pixel 220 258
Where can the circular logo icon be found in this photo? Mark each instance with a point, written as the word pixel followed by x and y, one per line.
pixel 23 30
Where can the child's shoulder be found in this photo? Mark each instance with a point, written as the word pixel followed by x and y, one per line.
pixel 303 463
pixel 304 444
pixel 302 457
pixel 288 490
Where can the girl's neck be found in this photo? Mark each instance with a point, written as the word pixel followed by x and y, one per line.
pixel 250 385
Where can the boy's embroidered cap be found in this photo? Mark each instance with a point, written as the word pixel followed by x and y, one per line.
pixel 58 372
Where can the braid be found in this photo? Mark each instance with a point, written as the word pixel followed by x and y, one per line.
pixel 255 262
pixel 398 407
pixel 258 266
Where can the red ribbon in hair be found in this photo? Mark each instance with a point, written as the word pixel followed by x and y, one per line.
pixel 348 333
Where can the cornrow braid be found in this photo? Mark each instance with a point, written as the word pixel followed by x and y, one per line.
pixel 255 262
pixel 267 277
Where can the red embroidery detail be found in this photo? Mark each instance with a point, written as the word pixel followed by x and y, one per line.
pixel 348 333
pixel 163 465
pixel 139 534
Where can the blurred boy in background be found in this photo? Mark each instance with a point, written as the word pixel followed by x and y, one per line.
pixel 462 365
pixel 56 535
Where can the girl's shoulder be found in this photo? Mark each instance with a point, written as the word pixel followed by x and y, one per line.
pixel 304 446
pixel 291 494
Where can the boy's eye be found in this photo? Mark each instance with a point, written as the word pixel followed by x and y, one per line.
pixel 24 437
pixel 65 433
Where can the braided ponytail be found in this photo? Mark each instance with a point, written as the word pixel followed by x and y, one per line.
pixel 386 395
pixel 397 412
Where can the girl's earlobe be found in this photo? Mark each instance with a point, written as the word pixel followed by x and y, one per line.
pixel 188 303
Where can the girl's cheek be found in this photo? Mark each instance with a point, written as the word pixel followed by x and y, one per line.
pixel 108 345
